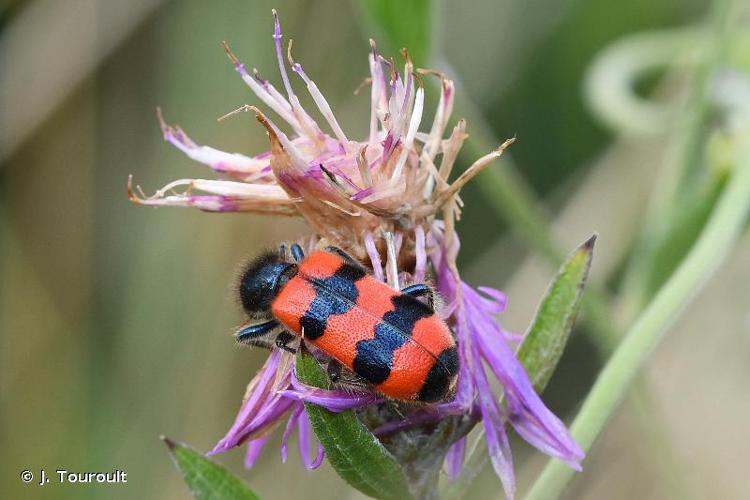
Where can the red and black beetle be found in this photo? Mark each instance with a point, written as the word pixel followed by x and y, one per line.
pixel 388 338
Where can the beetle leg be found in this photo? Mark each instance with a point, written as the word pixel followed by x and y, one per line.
pixel 347 258
pixel 257 334
pixel 421 290
pixel 282 342
pixel 297 252
pixel 333 370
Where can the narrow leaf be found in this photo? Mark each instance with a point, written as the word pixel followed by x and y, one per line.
pixel 545 341
pixel 398 24
pixel 358 457
pixel 205 479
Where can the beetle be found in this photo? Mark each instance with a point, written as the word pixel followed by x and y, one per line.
pixel 388 338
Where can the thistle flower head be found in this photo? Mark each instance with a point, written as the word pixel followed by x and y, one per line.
pixel 387 200
pixel 345 189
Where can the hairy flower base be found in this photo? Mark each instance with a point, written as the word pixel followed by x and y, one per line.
pixel 377 199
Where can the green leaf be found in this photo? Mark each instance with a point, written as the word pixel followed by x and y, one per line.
pixel 399 24
pixel 206 479
pixel 358 457
pixel 545 341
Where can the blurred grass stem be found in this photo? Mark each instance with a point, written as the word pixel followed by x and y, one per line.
pixel 684 158
pixel 610 91
pixel 714 244
pixel 613 76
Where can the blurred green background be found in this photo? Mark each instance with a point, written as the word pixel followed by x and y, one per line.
pixel 116 320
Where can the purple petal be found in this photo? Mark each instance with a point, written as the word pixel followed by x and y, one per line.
pixel 260 389
pixel 529 416
pixel 454 460
pixel 372 252
pixel 538 437
pixel 319 457
pixel 254 449
pixel 305 433
pixel 262 407
pixel 257 390
pixel 335 401
pixel 288 430
pixel 269 416
pixel 332 400
pixel 494 428
pixel 388 145
pixel 420 254
pixel 448 288
pixel 240 166
pixel 516 338
pixel 498 299
pixel 545 431
pixel 363 193
pixel 465 389
pixel 448 310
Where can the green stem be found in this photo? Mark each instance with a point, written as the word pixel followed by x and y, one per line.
pixel 717 239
